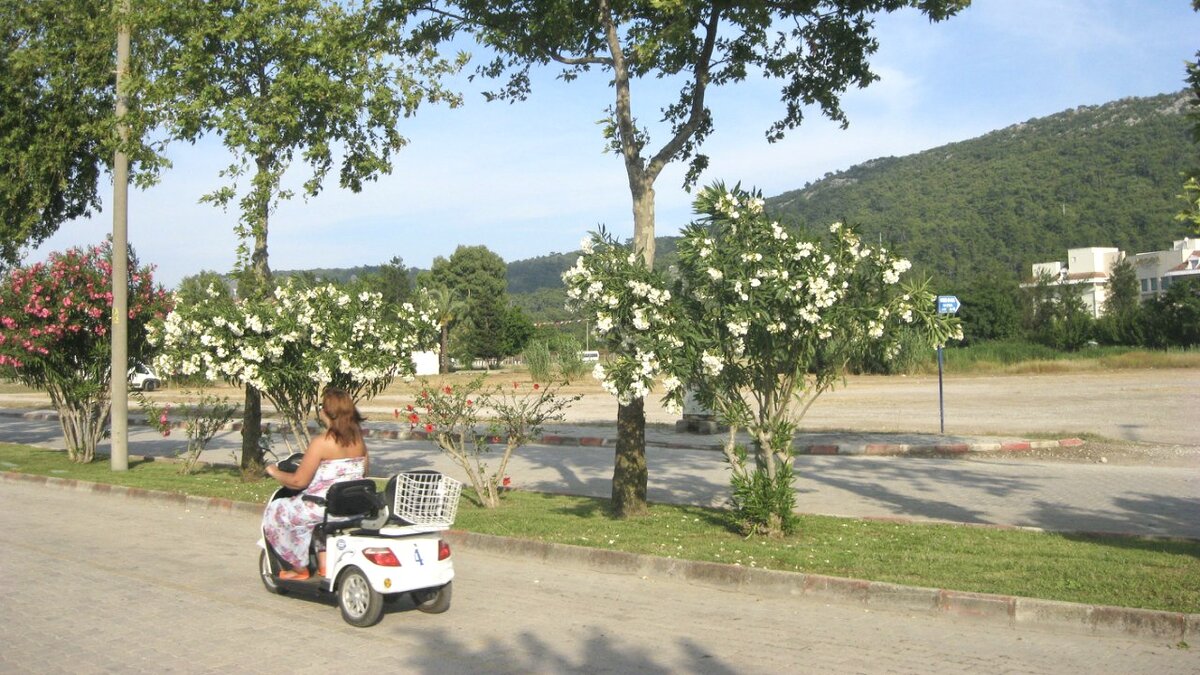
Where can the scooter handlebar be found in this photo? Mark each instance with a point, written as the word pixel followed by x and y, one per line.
pixel 290 463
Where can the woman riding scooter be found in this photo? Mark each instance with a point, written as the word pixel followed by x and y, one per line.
pixel 338 454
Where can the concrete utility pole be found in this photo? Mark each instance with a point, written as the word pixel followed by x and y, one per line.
pixel 120 263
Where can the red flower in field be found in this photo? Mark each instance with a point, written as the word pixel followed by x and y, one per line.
pixel 428 428
pixel 408 407
pixel 516 384
pixel 166 432
pixel 448 390
pixel 507 481
pixel 396 413
pixel 414 418
pixel 536 386
pixel 469 402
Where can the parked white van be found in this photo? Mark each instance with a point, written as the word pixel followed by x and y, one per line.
pixel 143 377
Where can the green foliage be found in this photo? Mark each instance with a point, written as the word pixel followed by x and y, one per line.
pixel 488 326
pixel 758 324
pixel 452 417
pixel 555 350
pixel 1056 316
pixel 57 111
pixel 55 321
pixel 816 50
pixel 392 281
pixel 570 364
pixel 1122 322
pixel 201 421
pixel 991 307
pixel 1174 317
pixel 1095 175
pixel 538 360
pixel 293 343
pixel 762 503
pixel 1191 187
pixel 197 288
pixel 284 81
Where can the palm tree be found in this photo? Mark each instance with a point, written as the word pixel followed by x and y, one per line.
pixel 446 310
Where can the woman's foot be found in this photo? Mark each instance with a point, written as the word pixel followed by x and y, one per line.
pixel 294 575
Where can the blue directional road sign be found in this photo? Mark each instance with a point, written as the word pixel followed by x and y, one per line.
pixel 948 304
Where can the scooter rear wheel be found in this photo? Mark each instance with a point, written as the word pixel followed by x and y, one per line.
pixel 270 581
pixel 433 600
pixel 361 604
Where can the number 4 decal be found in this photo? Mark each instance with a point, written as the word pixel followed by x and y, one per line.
pixel 417 555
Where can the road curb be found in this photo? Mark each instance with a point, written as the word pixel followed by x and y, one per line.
pixel 1002 610
pixel 1011 611
pixel 370 430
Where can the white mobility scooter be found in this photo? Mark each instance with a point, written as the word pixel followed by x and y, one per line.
pixel 379 546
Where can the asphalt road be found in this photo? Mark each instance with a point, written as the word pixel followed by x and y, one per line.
pixel 99 583
pixel 1134 499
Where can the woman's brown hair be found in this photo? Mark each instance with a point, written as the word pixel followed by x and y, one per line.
pixel 344 419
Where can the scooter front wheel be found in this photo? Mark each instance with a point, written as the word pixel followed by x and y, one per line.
pixel 268 576
pixel 361 604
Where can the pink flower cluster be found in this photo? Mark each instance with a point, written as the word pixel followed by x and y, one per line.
pixel 62 307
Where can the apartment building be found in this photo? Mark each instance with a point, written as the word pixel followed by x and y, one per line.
pixel 1157 270
pixel 1089 270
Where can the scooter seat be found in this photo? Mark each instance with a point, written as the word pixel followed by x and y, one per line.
pixel 347 504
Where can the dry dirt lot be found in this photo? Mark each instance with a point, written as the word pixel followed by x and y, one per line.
pixel 1123 413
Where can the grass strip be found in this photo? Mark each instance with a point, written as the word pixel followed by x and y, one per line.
pixel 1104 570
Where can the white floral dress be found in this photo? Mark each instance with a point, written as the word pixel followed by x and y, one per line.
pixel 288 523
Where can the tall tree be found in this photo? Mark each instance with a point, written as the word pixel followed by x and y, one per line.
pixel 57 116
pixel 1122 322
pixel 476 277
pixel 446 310
pixel 1191 186
pixel 284 80
pixel 391 281
pixel 818 48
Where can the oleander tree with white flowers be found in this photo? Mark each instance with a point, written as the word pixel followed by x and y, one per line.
pixel 758 324
pixel 294 343
pixel 634 315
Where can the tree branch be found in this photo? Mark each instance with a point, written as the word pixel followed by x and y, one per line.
pixel 701 69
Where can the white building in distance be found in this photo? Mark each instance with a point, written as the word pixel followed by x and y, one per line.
pixel 1159 269
pixel 1089 269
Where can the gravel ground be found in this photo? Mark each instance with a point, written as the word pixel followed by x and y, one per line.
pixel 1147 416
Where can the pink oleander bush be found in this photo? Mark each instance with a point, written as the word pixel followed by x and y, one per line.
pixel 55 325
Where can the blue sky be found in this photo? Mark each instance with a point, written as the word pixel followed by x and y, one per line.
pixel 531 178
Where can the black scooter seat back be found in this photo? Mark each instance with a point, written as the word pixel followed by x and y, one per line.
pixel 351 498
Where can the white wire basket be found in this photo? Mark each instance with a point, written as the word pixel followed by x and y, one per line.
pixel 426 498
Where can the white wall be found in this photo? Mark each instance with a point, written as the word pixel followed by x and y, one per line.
pixel 426 363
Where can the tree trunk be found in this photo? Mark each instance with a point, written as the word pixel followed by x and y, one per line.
pixel 444 350
pixel 252 454
pixel 629 472
pixel 260 283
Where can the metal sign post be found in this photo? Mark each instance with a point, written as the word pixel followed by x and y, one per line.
pixel 946 304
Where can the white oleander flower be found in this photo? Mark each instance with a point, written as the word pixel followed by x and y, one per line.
pixel 712 364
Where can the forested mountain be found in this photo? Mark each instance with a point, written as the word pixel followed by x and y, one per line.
pixel 1092 176
pixel 987 207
